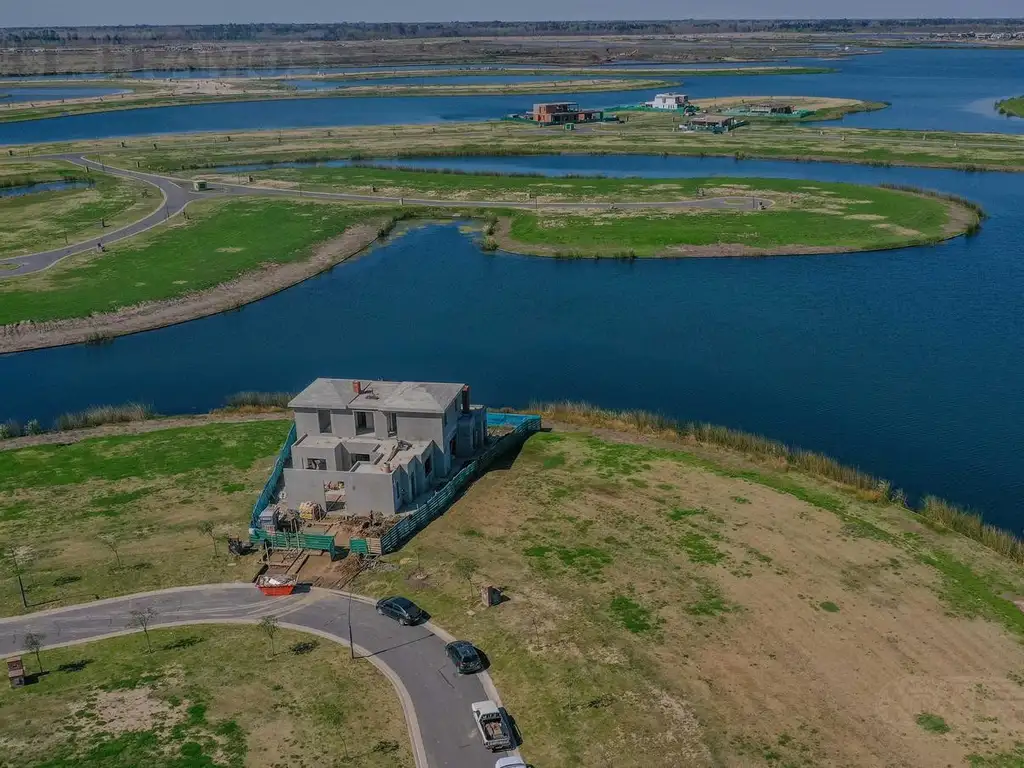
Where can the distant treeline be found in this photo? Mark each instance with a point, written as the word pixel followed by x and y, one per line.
pixel 117 35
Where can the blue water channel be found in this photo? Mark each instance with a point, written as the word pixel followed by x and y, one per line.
pixel 906 363
pixel 928 89
pixel 43 186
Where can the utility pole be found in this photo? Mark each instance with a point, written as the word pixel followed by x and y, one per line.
pixel 351 645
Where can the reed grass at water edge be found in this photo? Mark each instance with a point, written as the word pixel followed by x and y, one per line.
pixel 936 511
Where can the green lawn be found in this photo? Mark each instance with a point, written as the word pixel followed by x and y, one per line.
pixel 1013 107
pixel 41 220
pixel 219 242
pixel 804 214
pixel 819 222
pixel 145 494
pixel 205 697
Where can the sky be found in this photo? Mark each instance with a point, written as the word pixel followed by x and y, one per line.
pixel 14 13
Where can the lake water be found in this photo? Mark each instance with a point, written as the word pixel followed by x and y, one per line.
pixel 929 90
pixel 44 186
pixel 907 363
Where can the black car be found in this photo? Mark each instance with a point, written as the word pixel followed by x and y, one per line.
pixel 464 656
pixel 401 609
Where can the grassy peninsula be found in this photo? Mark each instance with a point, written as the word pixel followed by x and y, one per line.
pixel 224 253
pixel 218 242
pixel 646 133
pixel 658 582
pixel 1011 107
pixel 50 219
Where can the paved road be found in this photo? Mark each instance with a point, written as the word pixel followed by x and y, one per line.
pixel 178 193
pixel 436 701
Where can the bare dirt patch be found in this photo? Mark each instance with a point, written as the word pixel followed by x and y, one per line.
pixel 132 710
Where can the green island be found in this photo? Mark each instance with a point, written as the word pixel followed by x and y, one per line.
pixel 203 696
pixel 1011 107
pixel 662 578
pixel 646 133
pixel 50 219
pixel 223 240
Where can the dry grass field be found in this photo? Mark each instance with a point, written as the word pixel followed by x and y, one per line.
pixel 671 605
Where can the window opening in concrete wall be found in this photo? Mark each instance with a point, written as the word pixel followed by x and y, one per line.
pixel 316 463
pixel 324 417
pixel 357 457
pixel 392 424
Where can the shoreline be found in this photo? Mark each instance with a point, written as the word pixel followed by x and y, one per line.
pixel 235 294
pixel 251 287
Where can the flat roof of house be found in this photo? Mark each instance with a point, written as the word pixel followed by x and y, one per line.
pixel 319 441
pixel 395 396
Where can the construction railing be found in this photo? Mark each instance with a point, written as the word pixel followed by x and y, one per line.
pixel 270 488
pixel 286 540
pixel 521 425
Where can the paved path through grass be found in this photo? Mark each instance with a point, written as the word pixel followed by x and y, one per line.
pixel 436 702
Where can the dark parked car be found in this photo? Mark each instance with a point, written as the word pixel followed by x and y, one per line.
pixel 401 609
pixel 464 656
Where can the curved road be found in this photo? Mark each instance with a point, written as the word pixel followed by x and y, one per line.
pixel 436 702
pixel 178 193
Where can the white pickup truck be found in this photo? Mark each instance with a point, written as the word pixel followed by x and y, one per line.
pixel 494 726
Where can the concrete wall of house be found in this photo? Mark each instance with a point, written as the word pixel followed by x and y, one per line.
pixel 343 423
pixel 420 426
pixel 367 492
pixel 334 457
pixel 308 485
pixel 306 422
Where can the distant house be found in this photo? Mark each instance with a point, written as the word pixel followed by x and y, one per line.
pixel 714 123
pixel 561 112
pixel 669 101
pixel 377 446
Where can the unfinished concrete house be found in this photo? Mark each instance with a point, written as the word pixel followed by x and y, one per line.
pixel 379 446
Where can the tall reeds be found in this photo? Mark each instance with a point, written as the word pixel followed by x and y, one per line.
pixel 250 399
pixel 103 414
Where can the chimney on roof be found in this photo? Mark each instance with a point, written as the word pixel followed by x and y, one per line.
pixel 465 399
pixel 357 387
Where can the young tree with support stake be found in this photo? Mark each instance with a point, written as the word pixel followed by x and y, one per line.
pixel 206 528
pixel 33 643
pixel 113 543
pixel 141 619
pixel 269 627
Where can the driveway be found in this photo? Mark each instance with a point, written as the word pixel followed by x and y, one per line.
pixel 436 702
